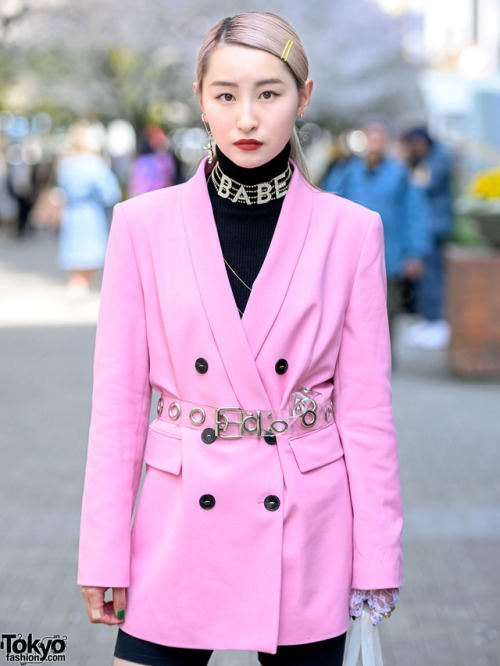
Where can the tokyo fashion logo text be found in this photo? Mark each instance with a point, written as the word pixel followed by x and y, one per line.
pixel 30 650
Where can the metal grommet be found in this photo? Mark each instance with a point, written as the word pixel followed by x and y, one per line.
pixel 174 410
pixel 278 431
pixel 251 424
pixel 201 412
pixel 299 408
pixel 328 412
pixel 312 418
pixel 159 407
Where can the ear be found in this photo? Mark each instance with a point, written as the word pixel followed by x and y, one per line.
pixel 304 97
pixel 196 89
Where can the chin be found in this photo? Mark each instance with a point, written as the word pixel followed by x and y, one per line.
pixel 248 160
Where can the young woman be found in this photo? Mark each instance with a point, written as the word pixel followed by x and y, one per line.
pixel 255 305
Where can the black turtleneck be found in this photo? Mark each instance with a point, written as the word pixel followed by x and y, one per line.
pixel 245 232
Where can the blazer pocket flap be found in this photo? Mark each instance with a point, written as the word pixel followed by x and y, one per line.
pixel 317 448
pixel 164 447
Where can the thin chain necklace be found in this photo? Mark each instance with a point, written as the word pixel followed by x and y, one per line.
pixel 238 278
pixel 226 261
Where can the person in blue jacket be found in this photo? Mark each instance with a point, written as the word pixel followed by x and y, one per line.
pixel 381 182
pixel 431 167
pixel 90 189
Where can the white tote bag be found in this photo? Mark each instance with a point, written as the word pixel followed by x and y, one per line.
pixel 363 642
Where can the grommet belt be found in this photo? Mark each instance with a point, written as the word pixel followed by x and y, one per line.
pixel 305 413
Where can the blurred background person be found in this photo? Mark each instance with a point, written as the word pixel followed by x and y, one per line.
pixel 155 167
pixel 8 205
pixel 21 185
pixel 381 182
pixel 340 155
pixel 431 166
pixel 46 212
pixel 90 188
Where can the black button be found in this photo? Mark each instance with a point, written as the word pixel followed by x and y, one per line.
pixel 207 501
pixel 201 365
pixel 272 503
pixel 208 436
pixel 269 438
pixel 281 366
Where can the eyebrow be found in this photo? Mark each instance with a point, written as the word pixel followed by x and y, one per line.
pixel 264 82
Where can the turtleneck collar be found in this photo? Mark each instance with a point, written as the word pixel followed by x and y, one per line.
pixel 260 174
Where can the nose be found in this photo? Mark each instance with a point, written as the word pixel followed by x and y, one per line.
pixel 247 118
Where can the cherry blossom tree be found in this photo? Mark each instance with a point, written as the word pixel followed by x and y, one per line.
pixel 133 59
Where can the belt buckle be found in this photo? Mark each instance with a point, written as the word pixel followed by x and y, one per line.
pixel 222 425
pixel 247 425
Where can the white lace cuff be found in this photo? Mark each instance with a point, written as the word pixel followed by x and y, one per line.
pixel 380 602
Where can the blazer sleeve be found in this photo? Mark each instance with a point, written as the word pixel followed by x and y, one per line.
pixel 121 404
pixel 363 412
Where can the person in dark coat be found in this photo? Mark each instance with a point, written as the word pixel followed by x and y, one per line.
pixel 431 166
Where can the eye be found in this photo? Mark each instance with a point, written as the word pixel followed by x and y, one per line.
pixel 226 97
pixel 268 94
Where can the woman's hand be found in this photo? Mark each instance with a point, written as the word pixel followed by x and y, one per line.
pixel 105 612
pixel 381 603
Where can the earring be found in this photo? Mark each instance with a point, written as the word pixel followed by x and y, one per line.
pixel 209 147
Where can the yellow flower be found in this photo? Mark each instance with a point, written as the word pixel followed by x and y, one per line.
pixel 486 184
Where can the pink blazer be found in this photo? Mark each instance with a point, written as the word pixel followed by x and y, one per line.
pixel 238 575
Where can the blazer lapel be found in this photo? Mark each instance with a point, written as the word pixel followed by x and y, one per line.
pixel 273 281
pixel 215 291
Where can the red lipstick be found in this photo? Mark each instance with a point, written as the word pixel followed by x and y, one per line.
pixel 248 144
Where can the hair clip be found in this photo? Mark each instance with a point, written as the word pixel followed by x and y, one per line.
pixel 286 50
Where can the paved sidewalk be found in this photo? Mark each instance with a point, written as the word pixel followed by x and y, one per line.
pixel 449 434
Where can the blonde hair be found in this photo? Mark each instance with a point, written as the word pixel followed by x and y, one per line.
pixel 267 32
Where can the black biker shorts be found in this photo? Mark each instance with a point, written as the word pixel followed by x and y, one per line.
pixel 324 653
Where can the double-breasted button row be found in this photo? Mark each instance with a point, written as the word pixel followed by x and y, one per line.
pixel 201 366
pixel 272 502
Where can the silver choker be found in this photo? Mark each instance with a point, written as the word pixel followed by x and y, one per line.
pixel 261 193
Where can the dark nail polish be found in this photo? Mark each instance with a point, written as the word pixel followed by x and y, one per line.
pixel 120 614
